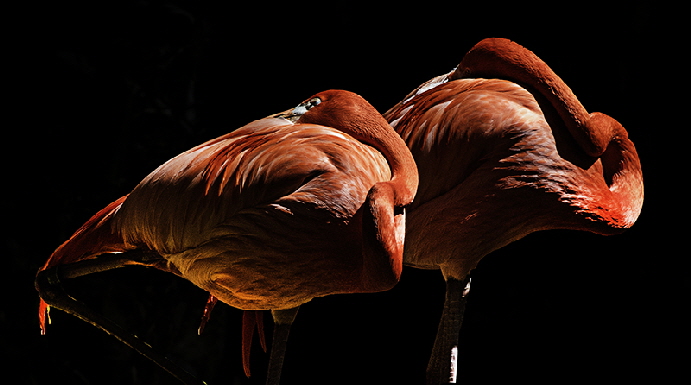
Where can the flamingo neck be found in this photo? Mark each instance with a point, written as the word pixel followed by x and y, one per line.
pixel 401 161
pixel 504 59
pixel 366 125
pixel 622 171
pixel 601 137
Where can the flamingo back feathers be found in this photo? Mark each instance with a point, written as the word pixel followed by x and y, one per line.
pixel 205 186
pixel 226 213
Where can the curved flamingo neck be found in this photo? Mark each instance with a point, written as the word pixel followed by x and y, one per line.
pixel 599 135
pixel 504 59
pixel 622 171
pixel 401 161
pixel 353 115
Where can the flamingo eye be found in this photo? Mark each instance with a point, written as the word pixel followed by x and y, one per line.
pixel 313 102
pixel 302 108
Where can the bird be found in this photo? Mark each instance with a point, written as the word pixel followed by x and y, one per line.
pixel 504 149
pixel 302 204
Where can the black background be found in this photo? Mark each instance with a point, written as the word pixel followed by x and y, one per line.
pixel 103 92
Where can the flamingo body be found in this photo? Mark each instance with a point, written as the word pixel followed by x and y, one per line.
pixel 298 205
pixel 263 218
pixel 504 148
pixel 496 164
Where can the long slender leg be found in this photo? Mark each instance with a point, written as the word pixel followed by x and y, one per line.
pixel 442 365
pixel 283 320
pixel 251 319
pixel 48 284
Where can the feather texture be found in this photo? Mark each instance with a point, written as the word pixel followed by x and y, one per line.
pixel 226 213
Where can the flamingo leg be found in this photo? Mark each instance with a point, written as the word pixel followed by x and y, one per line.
pixel 283 320
pixel 442 367
pixel 251 320
pixel 206 315
pixel 48 284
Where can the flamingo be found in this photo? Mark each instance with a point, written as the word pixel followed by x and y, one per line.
pixel 504 148
pixel 302 204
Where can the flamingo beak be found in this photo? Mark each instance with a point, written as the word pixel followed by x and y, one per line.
pixel 296 113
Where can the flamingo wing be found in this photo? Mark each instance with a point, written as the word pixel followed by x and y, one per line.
pixel 455 128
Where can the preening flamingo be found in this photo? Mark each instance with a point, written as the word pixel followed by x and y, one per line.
pixel 298 205
pixel 504 148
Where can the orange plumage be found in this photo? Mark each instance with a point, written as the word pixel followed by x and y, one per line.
pixel 504 149
pixel 298 205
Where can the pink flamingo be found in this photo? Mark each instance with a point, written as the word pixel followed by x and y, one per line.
pixel 504 148
pixel 298 205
